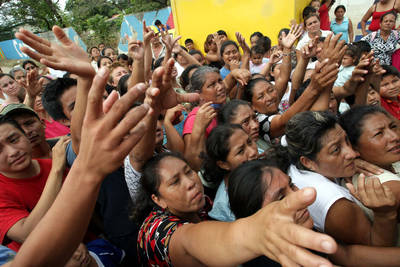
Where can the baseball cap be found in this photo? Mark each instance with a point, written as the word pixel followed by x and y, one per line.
pixel 17 109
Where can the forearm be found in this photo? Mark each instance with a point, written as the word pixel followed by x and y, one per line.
pixel 174 140
pixel 148 58
pixel 367 256
pixel 304 103
pixel 65 223
pixel 29 100
pixel 384 230
pixel 83 87
pixel 346 90
pixel 212 58
pixel 228 247
pixel 191 60
pixel 283 79
pixel 230 82
pixel 363 27
pixel 245 61
pixel 194 147
pixel 266 69
pixel 137 75
pixel 50 191
pixel 361 94
pixel 144 150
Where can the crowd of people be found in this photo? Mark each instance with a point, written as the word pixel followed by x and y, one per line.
pixel 246 155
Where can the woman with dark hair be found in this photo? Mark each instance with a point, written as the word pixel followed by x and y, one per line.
pixel 342 24
pixel 257 183
pixel 104 61
pixel 254 37
pixel 239 112
pixel 376 11
pixel 230 55
pixel 265 98
pixel 323 8
pixel 187 75
pixel 373 132
pixel 12 90
pixel 320 153
pixel 227 147
pixel 201 120
pixel 385 40
pixel 172 207
pixel 110 52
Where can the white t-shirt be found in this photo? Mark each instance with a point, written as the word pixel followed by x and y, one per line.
pixel 328 192
pixel 304 40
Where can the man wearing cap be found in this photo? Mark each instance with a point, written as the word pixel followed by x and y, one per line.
pixel 28 186
pixel 33 127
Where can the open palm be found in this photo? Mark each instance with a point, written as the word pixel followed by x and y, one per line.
pixel 66 56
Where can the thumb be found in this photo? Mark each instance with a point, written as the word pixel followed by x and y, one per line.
pixel 298 200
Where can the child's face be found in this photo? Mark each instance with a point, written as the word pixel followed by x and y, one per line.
pixel 390 87
pixel 347 61
pixel 257 59
pixel 189 46
pixel 373 98
pixel 316 5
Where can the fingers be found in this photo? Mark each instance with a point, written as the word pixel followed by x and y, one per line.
pixel 121 106
pixel 37 43
pixel 298 200
pixel 299 237
pixel 166 78
pixel 109 102
pixel 367 168
pixel 361 188
pixel 157 77
pixel 61 36
pixel 320 65
pixel 95 96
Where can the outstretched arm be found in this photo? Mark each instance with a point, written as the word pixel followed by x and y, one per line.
pixel 105 138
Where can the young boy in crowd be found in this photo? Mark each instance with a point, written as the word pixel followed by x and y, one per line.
pixel 189 44
pixel 33 127
pixel 390 90
pixel 256 59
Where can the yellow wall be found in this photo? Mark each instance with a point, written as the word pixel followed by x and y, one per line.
pixel 197 18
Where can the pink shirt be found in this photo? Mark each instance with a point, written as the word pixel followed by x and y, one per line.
pixel 189 122
pixel 55 129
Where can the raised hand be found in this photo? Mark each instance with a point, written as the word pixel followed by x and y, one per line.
pixel 242 76
pixel 135 48
pixel 295 32
pixel 333 49
pixel 242 42
pixel 33 84
pixel 275 57
pixel 205 115
pixel 325 74
pixel 311 49
pixel 277 235
pixel 367 168
pixel 59 159
pixel 66 56
pixel 110 137
pixel 162 95
pixel 170 43
pixel 174 115
pixel 148 34
pixel 374 195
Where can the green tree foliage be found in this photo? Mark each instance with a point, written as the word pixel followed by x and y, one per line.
pixel 39 14
pixel 144 5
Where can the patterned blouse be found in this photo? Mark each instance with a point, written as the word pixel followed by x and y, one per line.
pixel 383 49
pixel 155 235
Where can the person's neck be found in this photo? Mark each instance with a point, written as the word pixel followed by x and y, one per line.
pixel 32 170
pixel 192 217
pixel 41 151
pixel 157 46
pixel 384 33
pixel 339 19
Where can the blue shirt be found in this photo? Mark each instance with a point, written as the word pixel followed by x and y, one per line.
pixel 224 72
pixel 6 255
pixel 341 28
pixel 221 210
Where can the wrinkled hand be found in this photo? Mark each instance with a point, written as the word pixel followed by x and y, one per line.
pixel 161 95
pixel 275 57
pixel 242 42
pixel 234 64
pixel 174 115
pixel 325 74
pixel 274 232
pixel 372 194
pixel 67 56
pixel 204 116
pixel 242 76
pixel 295 32
pixel 333 49
pixel 171 44
pixel 110 137
pixel 59 160
pixel 311 49
pixel 367 168
pixel 135 48
pixel 33 85
pixel 148 34
pixel 362 69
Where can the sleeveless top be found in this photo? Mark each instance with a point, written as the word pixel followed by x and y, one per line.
pixel 341 28
pixel 376 18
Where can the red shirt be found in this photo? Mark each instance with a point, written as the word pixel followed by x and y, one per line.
pixel 18 197
pixel 55 129
pixel 324 18
pixel 393 107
